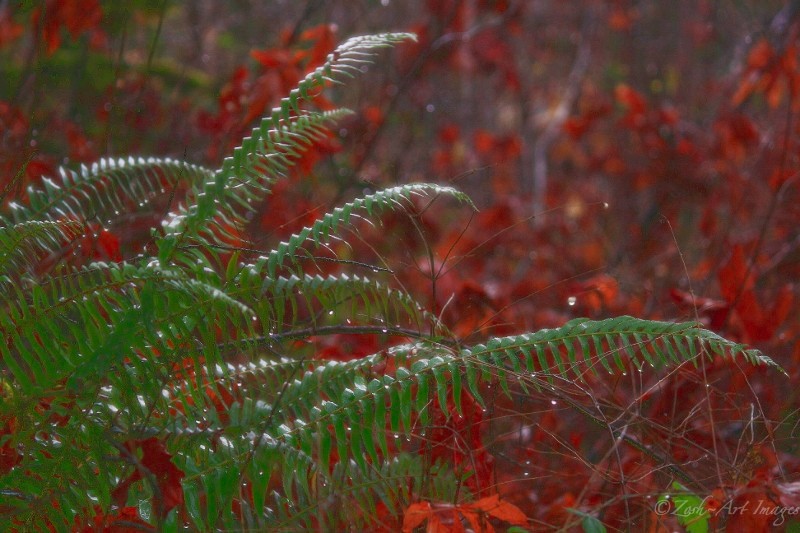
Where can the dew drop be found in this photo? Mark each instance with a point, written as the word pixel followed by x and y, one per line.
pixel 605 205
pixel 571 301
pixel 430 108
pixel 553 402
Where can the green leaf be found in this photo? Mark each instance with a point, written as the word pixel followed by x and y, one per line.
pixel 687 507
pixel 589 524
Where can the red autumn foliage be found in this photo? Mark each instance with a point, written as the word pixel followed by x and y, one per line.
pixel 9 30
pixel 125 520
pixel 447 518
pixel 737 283
pixel 154 467
pixel 75 16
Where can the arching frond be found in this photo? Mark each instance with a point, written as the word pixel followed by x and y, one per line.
pixel 330 223
pixel 333 298
pixel 22 245
pixel 360 410
pixel 104 190
pixel 280 138
pixel 246 177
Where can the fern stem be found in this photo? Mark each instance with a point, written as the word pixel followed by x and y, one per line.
pixel 268 340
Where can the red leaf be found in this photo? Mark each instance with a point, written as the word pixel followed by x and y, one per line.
pixel 630 98
pixel 576 127
pixel 478 525
pixel 445 517
pixel 9 457
pixel 760 55
pixel 484 142
pixel 505 511
pixel 126 520
pixel 158 462
pixel 597 293
pixel 621 19
pixel 324 38
pixel 77 16
pixel 415 515
pixel 108 246
pixel 9 30
pixel 752 514
pixel 736 135
pixel 716 311
pixel 737 287
pixel 449 133
pixel 732 276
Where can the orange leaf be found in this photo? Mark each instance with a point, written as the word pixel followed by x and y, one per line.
pixel 732 276
pixel 478 525
pixel 457 526
pixel 505 511
pixel 630 98
pixel 415 515
pixel 9 30
pixel 760 55
pixel 484 142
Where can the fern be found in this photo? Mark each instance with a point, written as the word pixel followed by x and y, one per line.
pixel 198 350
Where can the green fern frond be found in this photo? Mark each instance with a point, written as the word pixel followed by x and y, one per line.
pixel 105 189
pixel 78 321
pixel 346 60
pixel 393 403
pixel 23 244
pixel 330 223
pixel 65 474
pixel 328 300
pixel 246 177
pixel 643 342
pixel 272 146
